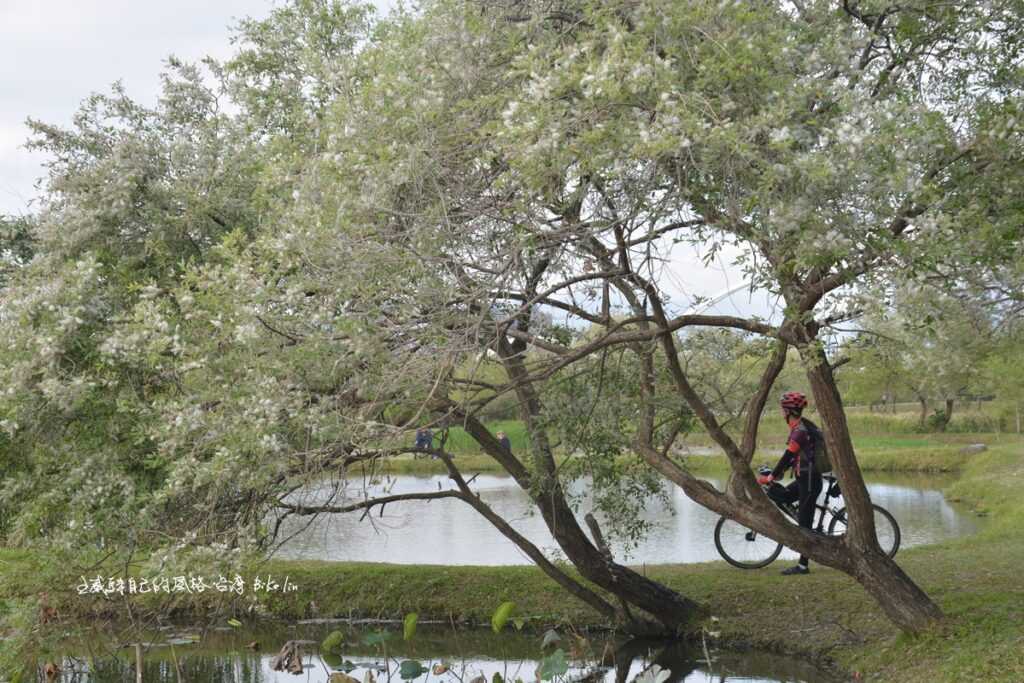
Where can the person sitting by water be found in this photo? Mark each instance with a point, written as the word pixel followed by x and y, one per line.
pixel 504 441
pixel 799 455
pixel 424 439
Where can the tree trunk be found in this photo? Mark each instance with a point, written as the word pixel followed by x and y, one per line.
pixel 899 597
pixel 674 612
pixel 574 587
pixel 924 410
pixel 670 609
pixel 947 416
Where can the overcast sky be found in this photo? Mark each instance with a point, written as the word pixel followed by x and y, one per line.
pixel 54 53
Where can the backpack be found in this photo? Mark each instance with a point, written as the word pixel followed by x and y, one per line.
pixel 822 463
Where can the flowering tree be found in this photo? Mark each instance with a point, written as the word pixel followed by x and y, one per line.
pixel 135 197
pixel 481 183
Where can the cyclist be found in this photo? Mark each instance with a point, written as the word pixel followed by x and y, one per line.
pixel 799 455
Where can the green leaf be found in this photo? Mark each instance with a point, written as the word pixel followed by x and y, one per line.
pixel 496 678
pixel 553 665
pixel 519 623
pixel 411 669
pixel 409 625
pixel 234 622
pixel 376 638
pixel 332 643
pixel 501 615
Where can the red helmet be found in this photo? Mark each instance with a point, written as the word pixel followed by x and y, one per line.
pixel 793 400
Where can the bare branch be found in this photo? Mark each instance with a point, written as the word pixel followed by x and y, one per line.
pixel 582 313
pixel 536 298
pixel 292 339
pixel 757 402
pixel 364 504
pixel 536 341
pixel 664 230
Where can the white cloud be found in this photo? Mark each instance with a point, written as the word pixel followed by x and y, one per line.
pixel 686 278
pixel 17 169
pixel 54 53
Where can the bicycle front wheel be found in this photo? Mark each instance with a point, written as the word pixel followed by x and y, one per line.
pixel 886 528
pixel 741 547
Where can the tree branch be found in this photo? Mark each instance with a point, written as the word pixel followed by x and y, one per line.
pixel 757 402
pixel 364 504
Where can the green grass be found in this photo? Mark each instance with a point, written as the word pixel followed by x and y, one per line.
pixel 875 452
pixel 884 442
pixel 467 463
pixel 460 443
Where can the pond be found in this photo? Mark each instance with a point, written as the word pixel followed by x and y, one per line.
pixel 246 655
pixel 449 532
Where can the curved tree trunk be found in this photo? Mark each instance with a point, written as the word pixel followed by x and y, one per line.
pixel 468 496
pixel 674 612
pixel 533 552
pixel 901 599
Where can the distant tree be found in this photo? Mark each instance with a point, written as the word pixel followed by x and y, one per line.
pixel 929 343
pixel 872 374
pixel 1004 372
pixel 946 345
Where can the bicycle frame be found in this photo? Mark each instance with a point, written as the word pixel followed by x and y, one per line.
pixel 821 509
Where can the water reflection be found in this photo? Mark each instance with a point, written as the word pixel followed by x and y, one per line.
pixel 225 658
pixel 450 532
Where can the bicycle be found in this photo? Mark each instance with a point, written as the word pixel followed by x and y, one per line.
pixel 743 547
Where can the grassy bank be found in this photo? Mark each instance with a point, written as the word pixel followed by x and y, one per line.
pixel 974 579
pixel 876 453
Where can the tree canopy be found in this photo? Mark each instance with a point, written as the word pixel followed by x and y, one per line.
pixel 229 301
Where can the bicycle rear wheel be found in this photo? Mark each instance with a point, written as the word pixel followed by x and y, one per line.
pixel 886 528
pixel 743 548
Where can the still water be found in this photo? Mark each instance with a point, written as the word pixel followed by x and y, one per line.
pixel 245 656
pixel 449 532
